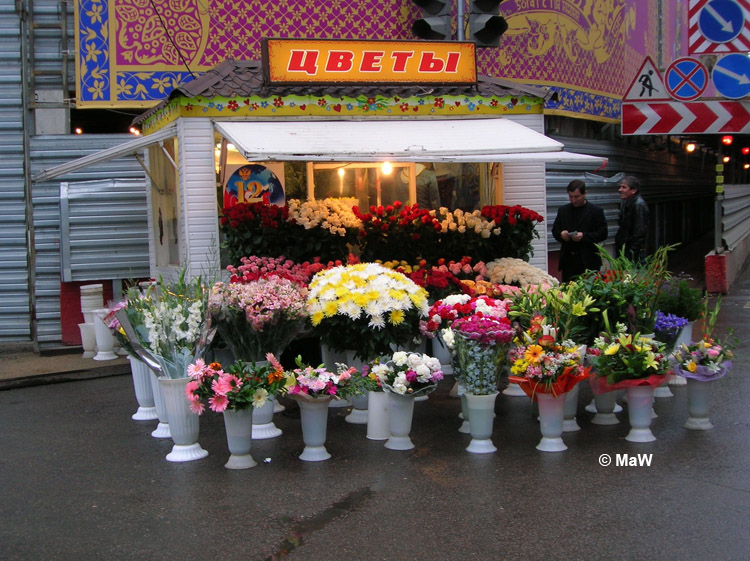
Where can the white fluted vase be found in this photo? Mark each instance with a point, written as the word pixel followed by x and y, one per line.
pixel 571 408
pixel 314 417
pixel 465 427
pixel 685 337
pixel 239 428
pixel 144 395
pixel 699 401
pixel 330 359
pixel 640 410
pixel 263 425
pixel 88 339
pixel 605 407
pixel 105 341
pixel 441 352
pixel 162 428
pixel 378 424
pixel 400 414
pixel 551 414
pixel 482 414
pixel 183 423
pixel 358 414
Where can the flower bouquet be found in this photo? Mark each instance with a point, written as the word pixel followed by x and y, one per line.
pixel 407 373
pixel 667 328
pixel 365 307
pixel 259 316
pixel 481 343
pixel 541 363
pixel 324 228
pixel 517 272
pixel 708 359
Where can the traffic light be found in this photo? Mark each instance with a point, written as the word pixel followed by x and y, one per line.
pixel 485 23
pixel 436 23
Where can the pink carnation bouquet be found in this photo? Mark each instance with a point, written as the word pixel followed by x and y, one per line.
pixel 307 382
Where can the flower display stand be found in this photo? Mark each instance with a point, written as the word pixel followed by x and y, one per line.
pixel 699 401
pixel 378 423
pixel 162 428
pixel 314 418
pixel 551 413
pixel 481 410
pixel 640 409
pixel 263 426
pixel 239 428
pixel 144 394
pixel 571 408
pixel 400 414
pixel 183 423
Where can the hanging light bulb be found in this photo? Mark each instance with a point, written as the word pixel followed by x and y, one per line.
pixel 341 172
pixel 726 159
pixel 387 168
pixel 690 147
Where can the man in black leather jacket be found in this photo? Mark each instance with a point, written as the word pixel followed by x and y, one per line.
pixel 633 220
pixel 578 226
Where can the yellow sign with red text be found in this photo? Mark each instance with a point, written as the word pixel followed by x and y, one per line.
pixel 297 61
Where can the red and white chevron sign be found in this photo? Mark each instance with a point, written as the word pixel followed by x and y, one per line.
pixel 698 43
pixel 699 117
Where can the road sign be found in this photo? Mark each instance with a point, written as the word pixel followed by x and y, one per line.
pixel 698 117
pixel 686 79
pixel 720 21
pixel 718 26
pixel 647 84
pixel 731 76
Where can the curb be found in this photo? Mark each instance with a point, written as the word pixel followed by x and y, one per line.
pixel 62 377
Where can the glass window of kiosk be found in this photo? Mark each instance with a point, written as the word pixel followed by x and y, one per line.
pixel 165 202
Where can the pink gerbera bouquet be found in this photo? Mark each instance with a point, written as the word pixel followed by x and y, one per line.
pixel 308 382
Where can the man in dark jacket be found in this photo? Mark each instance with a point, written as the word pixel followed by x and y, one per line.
pixel 633 220
pixel 579 225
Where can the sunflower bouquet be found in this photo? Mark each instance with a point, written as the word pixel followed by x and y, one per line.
pixel 365 307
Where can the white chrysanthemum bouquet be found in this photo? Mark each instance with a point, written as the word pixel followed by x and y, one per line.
pixel 365 307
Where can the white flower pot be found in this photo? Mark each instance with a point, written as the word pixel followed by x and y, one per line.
pixel 162 428
pixel 183 423
pixel 358 414
pixel 263 426
pixel 465 427
pixel 514 390
pixel 441 352
pixel 400 414
pixel 239 428
pixel 640 412
pixel 571 408
pixel 551 412
pixel 314 418
pixel 378 424
pixel 699 401
pixel 105 341
pixel 482 413
pixel 605 407
pixel 663 390
pixel 88 339
pixel 144 395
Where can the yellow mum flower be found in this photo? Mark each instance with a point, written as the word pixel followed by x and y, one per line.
pixel 361 300
pixel 317 317
pixel 397 317
pixel 330 309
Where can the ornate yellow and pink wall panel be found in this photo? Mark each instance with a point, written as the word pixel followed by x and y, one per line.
pixel 132 53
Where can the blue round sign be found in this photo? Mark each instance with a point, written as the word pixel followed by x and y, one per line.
pixel 257 183
pixel 731 76
pixel 720 21
pixel 686 79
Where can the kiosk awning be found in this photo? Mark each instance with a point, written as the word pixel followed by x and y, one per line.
pixel 124 149
pixel 459 140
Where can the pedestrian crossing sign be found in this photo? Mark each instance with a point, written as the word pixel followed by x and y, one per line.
pixel 647 85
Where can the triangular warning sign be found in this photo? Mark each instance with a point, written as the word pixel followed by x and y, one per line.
pixel 647 85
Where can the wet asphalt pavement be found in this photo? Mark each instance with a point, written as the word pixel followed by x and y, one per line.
pixel 80 480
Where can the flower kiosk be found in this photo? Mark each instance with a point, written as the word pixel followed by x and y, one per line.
pixel 323 118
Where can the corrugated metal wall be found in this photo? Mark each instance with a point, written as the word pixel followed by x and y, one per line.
pixel 524 184
pixel 14 278
pixel 49 151
pixel 677 186
pixel 736 220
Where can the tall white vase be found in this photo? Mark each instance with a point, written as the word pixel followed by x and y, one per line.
pixel 105 341
pixel 162 428
pixel 314 416
pixel 571 408
pixel 330 359
pixel 551 412
pixel 663 390
pixel 144 395
pixel 640 410
pixel 465 427
pixel 88 339
pixel 482 414
pixel 239 428
pixel 183 423
pixel 514 390
pixel 605 407
pixel 400 414
pixel 358 414
pixel 699 401
pixel 441 352
pixel 263 426
pixel 378 424
pixel 685 336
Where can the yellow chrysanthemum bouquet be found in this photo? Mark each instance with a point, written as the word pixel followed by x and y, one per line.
pixel 366 308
